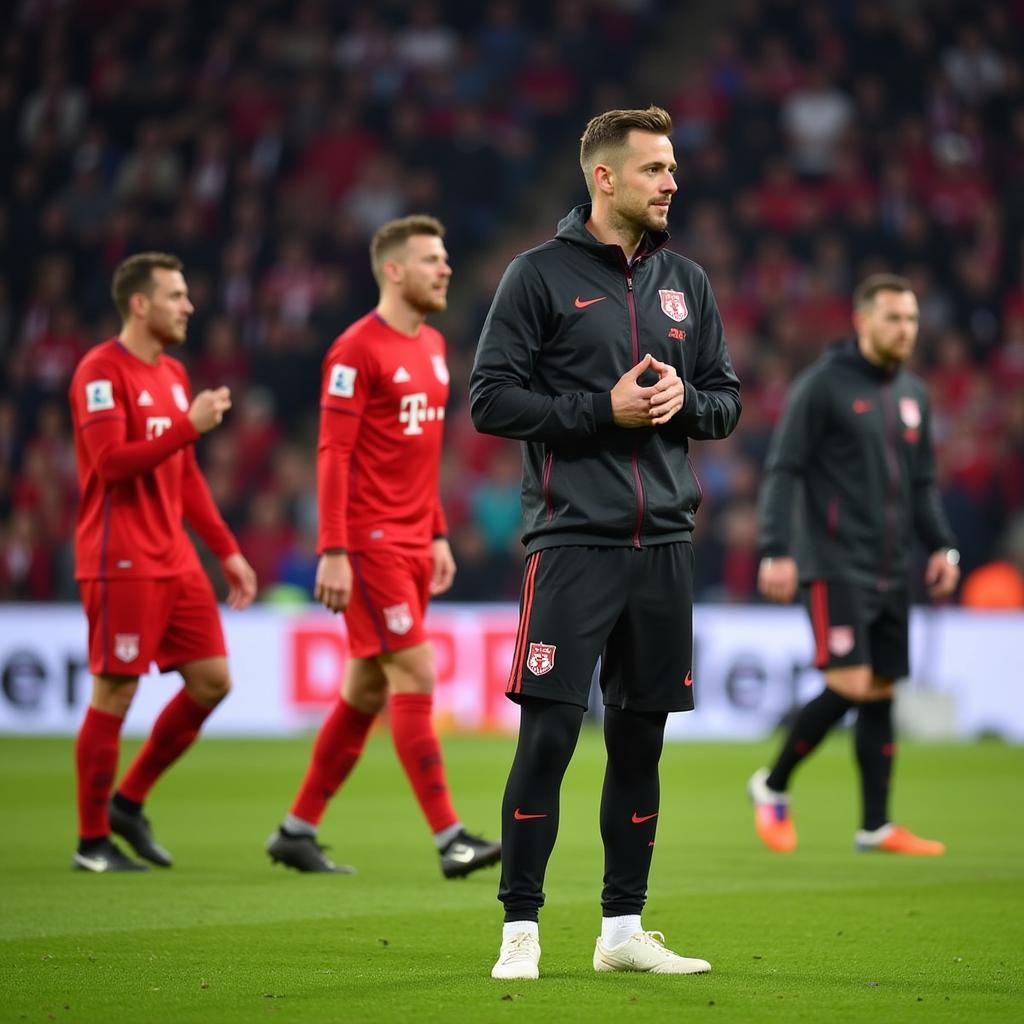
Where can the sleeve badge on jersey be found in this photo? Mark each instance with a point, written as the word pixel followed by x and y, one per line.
pixel 179 396
pixel 440 370
pixel 673 304
pixel 99 395
pixel 343 381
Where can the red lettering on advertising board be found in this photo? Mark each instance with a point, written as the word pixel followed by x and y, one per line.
pixel 444 644
pixel 499 646
pixel 466 690
pixel 318 655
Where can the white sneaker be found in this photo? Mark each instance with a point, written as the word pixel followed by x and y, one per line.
pixel 645 951
pixel 518 957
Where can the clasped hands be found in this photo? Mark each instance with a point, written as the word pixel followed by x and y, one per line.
pixel 634 405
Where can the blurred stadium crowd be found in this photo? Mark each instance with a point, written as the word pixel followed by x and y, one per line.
pixel 263 141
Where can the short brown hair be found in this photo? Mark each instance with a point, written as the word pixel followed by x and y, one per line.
pixel 608 132
pixel 135 274
pixel 864 294
pixel 388 237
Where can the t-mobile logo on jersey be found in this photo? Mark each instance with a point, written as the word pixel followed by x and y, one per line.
pixel 414 411
pixel 156 425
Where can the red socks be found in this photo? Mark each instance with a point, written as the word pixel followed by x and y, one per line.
pixel 173 732
pixel 96 752
pixel 341 740
pixel 338 745
pixel 415 739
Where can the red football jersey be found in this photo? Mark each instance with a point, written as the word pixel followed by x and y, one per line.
pixel 137 471
pixel 382 401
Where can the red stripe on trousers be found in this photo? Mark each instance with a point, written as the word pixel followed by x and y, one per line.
pixel 515 679
pixel 819 619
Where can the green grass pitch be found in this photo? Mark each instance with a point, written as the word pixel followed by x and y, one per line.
pixel 824 934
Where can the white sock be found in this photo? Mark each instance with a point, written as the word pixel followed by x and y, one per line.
pixel 298 826
pixel 874 835
pixel 615 930
pixel 446 835
pixel 510 928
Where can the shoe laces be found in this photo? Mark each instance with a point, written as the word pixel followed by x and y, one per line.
pixel 654 939
pixel 517 947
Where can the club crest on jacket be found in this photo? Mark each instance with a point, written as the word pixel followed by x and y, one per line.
pixel 673 304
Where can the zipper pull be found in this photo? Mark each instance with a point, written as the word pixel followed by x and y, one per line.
pixel 629 282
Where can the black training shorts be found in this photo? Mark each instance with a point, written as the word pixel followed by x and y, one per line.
pixel 631 607
pixel 859 626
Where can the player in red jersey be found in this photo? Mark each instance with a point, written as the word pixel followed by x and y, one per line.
pixel 382 544
pixel 144 592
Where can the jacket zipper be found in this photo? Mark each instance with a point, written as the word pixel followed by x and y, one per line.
pixel 634 335
pixel 892 464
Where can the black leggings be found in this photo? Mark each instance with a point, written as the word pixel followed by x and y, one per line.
pixel 548 732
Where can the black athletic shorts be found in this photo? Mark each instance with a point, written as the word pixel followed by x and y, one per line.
pixel 859 626
pixel 633 608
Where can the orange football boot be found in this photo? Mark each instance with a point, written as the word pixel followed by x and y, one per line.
pixel 772 819
pixel 897 839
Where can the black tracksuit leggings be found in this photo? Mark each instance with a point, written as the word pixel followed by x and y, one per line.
pixel 548 731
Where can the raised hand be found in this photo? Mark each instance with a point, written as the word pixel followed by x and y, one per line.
pixel 208 408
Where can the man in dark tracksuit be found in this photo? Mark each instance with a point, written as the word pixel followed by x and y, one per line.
pixel 856 436
pixel 604 352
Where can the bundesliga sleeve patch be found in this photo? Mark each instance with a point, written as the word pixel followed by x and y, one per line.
pixel 343 381
pixel 99 395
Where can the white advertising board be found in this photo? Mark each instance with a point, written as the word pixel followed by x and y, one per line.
pixel 751 665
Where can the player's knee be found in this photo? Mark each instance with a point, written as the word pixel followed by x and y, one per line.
pixel 634 738
pixel 369 702
pixel 210 688
pixel 113 696
pixel 853 684
pixel 852 687
pixel 880 689
pixel 410 675
pixel 548 730
pixel 219 687
pixel 415 682
pixel 116 703
pixel 207 681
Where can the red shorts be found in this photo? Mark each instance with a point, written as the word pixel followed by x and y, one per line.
pixel 390 592
pixel 134 622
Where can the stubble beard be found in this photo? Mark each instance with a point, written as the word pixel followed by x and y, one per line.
pixel 426 302
pixel 893 356
pixel 170 338
pixel 638 219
